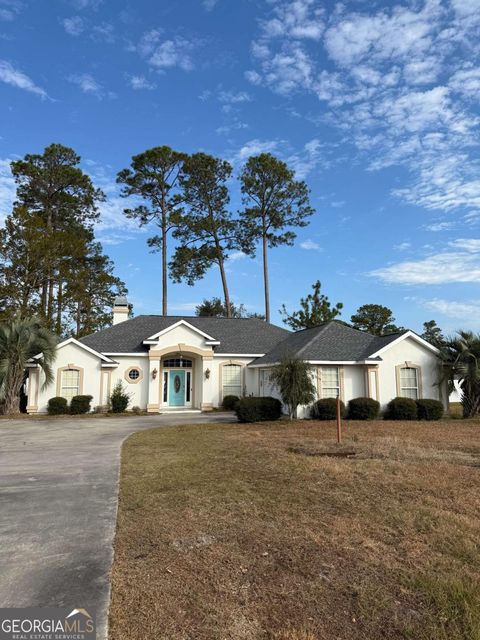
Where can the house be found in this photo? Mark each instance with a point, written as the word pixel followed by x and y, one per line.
pixel 171 363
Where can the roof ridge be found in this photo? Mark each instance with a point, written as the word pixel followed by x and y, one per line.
pixel 316 336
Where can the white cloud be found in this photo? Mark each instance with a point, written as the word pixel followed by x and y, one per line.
pixel 310 245
pixel 255 147
pixel 233 97
pixel 301 19
pixel 467 82
pixel 103 32
pixel 403 246
pixel 9 9
pixel 439 226
pixel 459 310
pixel 140 82
pixel 166 53
pixel 88 84
pixel 74 26
pixel 210 4
pixel 236 255
pixel 16 78
pixel 461 263
pixel 397 87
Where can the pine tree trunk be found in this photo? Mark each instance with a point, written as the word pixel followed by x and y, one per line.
pixel 228 306
pixel 79 323
pixel 58 327
pixel 265 279
pixel 164 270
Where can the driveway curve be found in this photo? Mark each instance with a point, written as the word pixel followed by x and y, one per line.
pixel 58 505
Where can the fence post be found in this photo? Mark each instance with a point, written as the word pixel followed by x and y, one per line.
pixel 339 422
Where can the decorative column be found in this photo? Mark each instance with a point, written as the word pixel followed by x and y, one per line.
pixel 154 384
pixel 207 383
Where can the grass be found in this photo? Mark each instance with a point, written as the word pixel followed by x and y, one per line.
pixel 246 532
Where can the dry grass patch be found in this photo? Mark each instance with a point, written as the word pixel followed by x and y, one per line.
pixel 232 532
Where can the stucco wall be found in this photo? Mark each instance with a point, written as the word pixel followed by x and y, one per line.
pixel 409 350
pixel 71 354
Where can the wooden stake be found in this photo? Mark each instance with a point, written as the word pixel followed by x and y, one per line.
pixel 339 422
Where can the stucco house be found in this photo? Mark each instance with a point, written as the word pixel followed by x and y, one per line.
pixel 172 363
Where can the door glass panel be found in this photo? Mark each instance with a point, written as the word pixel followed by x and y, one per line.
pixel 187 390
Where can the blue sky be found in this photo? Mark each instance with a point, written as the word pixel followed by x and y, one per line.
pixel 376 106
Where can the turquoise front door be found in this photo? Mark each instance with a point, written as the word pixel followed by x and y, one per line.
pixel 176 389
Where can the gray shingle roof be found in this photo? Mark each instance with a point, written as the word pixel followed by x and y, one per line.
pixel 332 341
pixel 236 335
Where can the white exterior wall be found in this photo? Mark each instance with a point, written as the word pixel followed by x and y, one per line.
pixel 71 354
pixel 408 350
pixel 138 390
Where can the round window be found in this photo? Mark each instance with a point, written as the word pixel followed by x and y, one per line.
pixel 134 374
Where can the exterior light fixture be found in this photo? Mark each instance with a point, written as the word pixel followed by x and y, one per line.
pixel 154 374
pixel 207 374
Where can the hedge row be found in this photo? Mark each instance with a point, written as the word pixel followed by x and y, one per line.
pixel 369 409
pixel 59 406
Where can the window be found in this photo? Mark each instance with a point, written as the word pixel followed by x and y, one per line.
pixel 165 386
pixel 409 383
pixel 133 375
pixel 330 377
pixel 231 380
pixel 177 363
pixel 70 383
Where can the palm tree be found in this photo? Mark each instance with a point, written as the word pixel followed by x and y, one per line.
pixel 293 378
pixel 461 356
pixel 21 340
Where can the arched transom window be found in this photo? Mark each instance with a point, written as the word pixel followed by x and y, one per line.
pixel 177 363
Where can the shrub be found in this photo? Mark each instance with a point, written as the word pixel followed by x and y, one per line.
pixel 136 410
pixel 363 409
pixel 119 398
pixel 401 409
pixel 80 404
pixel 258 409
pixel 326 409
pixel 57 406
pixel 229 402
pixel 429 409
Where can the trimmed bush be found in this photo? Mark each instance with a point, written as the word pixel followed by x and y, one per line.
pixel 80 404
pixel 326 409
pixel 119 398
pixel 258 409
pixel 363 409
pixel 429 409
pixel 57 406
pixel 229 402
pixel 401 409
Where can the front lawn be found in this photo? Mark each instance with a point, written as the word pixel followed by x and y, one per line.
pixel 243 532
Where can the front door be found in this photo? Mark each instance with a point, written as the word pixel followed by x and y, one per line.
pixel 176 392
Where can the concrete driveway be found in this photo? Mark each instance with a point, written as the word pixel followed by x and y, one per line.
pixel 58 502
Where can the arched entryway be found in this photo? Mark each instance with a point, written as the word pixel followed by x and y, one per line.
pixel 177 382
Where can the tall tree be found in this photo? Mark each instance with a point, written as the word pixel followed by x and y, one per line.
pixel 52 187
pixel 433 334
pixel 155 176
pixel 274 203
pixel 89 296
pixel 314 310
pixel 375 319
pixel 206 230
pixel 215 308
pixel 21 340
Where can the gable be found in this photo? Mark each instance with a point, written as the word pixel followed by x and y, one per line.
pixel 180 333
